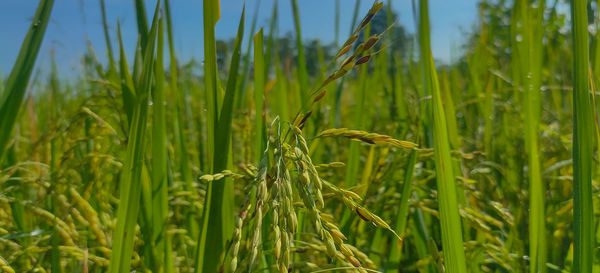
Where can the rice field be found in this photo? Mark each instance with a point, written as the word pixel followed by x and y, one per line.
pixel 276 155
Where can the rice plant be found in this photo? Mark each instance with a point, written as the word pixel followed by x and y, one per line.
pixel 275 153
pixel 583 241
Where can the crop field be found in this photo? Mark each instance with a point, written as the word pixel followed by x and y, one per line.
pixel 271 154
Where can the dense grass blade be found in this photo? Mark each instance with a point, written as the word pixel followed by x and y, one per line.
pixel 280 103
pixel 123 167
pixel 450 111
pixel 130 186
pixel 160 206
pixel 402 216
pixel 259 86
pixel 421 235
pixel 223 130
pixel 271 42
pixel 127 86
pixel 213 232
pixel 583 221
pixel 179 98
pixel 142 21
pixel 302 74
pixel 54 166
pixel 109 52
pixel 223 136
pixel 530 62
pixel 181 139
pixel 452 244
pixel 17 82
pixel 246 67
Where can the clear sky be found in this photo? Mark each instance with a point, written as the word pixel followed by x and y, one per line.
pixel 74 21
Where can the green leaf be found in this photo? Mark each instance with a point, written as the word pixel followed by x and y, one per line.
pixel 302 74
pixel 17 82
pixel 131 176
pixel 452 243
pixel 402 216
pixel 530 62
pixel 160 202
pixel 127 89
pixel 259 86
pixel 217 222
pixel 583 144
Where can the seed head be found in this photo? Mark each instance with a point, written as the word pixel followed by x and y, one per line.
pixel 363 59
pixel 371 42
pixel 343 51
pixel 350 40
pixel 320 96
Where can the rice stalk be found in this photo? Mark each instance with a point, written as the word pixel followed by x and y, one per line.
pixel 130 188
pixel 160 197
pixel 452 244
pixel 302 73
pixel 18 80
pixel 530 62
pixel 216 222
pixel 583 221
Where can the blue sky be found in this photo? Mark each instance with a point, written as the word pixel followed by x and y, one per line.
pixel 75 21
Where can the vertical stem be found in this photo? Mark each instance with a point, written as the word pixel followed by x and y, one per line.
pixel 259 85
pixel 302 74
pixel 452 242
pixel 582 143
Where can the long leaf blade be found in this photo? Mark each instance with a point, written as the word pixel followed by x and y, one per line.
pixel 19 76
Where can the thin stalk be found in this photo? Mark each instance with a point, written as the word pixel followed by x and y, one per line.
pixel 131 176
pixel 452 243
pixel 181 139
pixel 213 231
pixel 244 76
pixel 160 206
pixel 302 73
pixel 583 221
pixel 530 62
pixel 403 210
pixel 109 52
pixel 17 82
pixel 259 85
pixel 142 22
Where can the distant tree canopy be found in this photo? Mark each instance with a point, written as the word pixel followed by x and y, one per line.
pixel 285 45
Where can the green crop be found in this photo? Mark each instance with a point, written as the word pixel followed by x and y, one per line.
pixel 273 152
